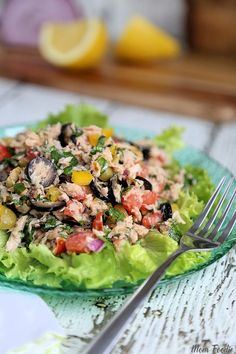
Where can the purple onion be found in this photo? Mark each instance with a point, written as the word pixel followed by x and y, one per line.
pixel 21 20
pixel 96 245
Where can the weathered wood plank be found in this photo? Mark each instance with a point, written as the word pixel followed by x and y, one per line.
pixel 31 103
pixel 224 146
pixel 179 315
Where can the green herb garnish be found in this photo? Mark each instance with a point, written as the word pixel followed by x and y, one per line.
pixel 19 188
pixel 66 230
pixel 28 235
pixel 116 214
pixel 103 164
pixel 51 223
pixel 56 156
pixel 100 145
pixel 174 232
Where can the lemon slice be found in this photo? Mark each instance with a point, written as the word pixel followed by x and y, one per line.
pixel 79 44
pixel 142 41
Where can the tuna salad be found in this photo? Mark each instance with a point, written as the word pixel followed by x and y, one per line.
pixel 83 194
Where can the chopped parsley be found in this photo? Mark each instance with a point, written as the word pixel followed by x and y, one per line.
pixel 56 156
pixel 28 235
pixel 103 163
pixel 19 188
pixel 116 214
pixel 51 223
pixel 100 145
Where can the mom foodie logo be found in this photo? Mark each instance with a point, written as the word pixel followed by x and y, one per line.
pixel 214 349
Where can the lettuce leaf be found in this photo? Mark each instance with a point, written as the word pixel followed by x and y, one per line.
pixel 170 139
pixel 3 238
pixel 198 182
pixel 189 208
pixel 82 115
pixel 98 270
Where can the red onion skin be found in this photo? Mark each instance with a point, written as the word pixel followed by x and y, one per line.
pixel 21 20
pixel 96 245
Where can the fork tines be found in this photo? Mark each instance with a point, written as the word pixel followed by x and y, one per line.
pixel 217 213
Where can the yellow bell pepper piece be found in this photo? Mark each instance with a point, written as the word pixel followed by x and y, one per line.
pixel 174 207
pixel 53 193
pixel 107 132
pixel 93 139
pixel 113 150
pixel 7 218
pixel 82 178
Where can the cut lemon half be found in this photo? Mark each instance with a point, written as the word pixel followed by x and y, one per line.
pixel 79 44
pixel 142 41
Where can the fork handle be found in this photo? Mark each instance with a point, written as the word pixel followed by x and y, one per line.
pixel 104 342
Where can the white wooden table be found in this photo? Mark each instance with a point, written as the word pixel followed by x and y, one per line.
pixel 198 310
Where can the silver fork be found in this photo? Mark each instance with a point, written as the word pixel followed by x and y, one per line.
pixel 199 237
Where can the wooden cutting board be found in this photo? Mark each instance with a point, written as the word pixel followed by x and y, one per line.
pixel 192 85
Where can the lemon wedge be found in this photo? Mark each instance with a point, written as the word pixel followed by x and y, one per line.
pixel 80 44
pixel 141 41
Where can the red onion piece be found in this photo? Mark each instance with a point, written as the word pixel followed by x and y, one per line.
pixel 96 245
pixel 21 20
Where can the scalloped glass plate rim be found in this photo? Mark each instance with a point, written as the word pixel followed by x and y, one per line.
pixel 187 155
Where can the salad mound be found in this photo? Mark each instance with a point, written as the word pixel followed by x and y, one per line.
pixel 80 206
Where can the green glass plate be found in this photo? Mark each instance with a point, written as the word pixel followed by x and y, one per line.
pixel 188 155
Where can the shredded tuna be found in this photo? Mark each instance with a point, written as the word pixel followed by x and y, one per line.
pixel 16 234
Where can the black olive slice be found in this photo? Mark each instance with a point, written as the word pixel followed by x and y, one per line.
pixel 146 152
pixel 124 183
pixel 41 171
pixel 96 191
pixel 64 178
pixel 166 211
pixel 111 196
pixel 68 133
pixel 47 206
pixel 147 185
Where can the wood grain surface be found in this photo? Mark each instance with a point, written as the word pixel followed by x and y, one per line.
pixel 200 309
pixel 193 85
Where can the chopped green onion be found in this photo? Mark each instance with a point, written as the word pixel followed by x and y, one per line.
pixel 103 163
pixel 19 188
pixel 116 214
pixel 100 145
pixel 51 223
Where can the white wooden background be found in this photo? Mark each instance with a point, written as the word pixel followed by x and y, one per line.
pixel 200 309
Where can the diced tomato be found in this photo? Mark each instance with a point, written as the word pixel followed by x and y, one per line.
pixel 60 246
pixel 78 243
pixel 4 152
pixel 132 200
pixel 98 222
pixel 31 154
pixel 151 219
pixel 149 198
pixel 74 209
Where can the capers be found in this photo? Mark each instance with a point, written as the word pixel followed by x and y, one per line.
pixel 106 175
